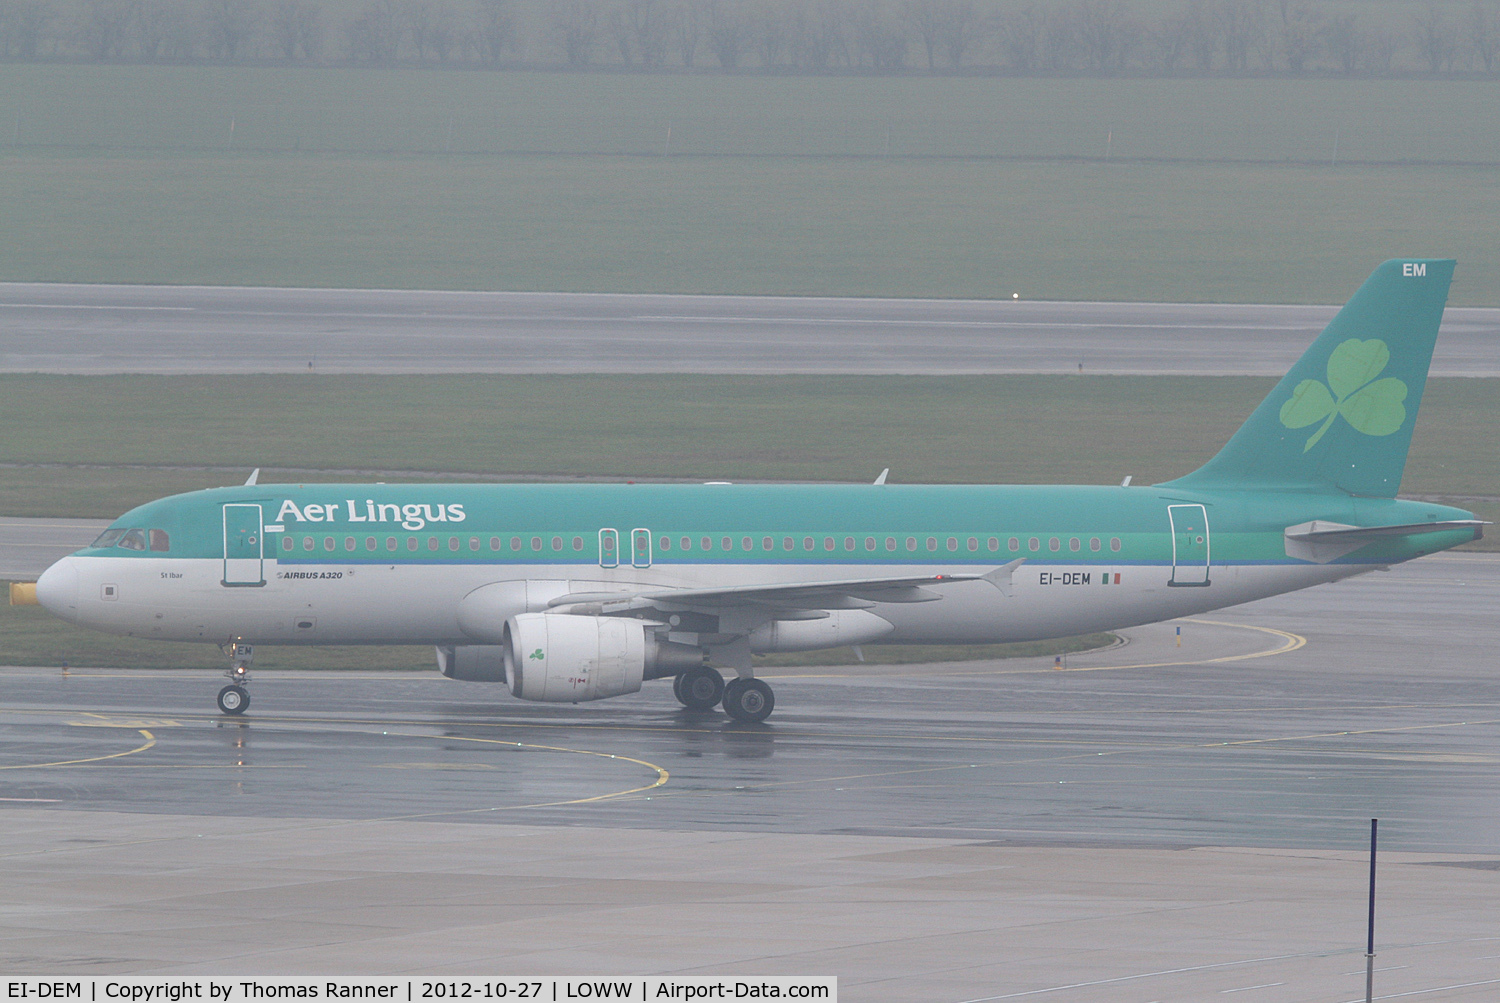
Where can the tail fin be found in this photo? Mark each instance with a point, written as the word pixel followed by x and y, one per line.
pixel 1343 417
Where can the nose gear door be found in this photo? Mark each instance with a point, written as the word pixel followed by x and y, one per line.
pixel 244 534
pixel 1190 547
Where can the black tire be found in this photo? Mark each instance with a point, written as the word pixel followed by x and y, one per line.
pixel 749 700
pixel 699 689
pixel 234 699
pixel 677 689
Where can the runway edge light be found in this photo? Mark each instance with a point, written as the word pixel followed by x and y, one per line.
pixel 23 594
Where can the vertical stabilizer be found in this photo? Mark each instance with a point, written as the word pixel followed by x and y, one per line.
pixel 1343 417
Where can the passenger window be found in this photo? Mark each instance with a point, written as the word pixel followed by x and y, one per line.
pixel 911 543
pixel 1054 544
pixel 869 543
pixel 536 543
pixel 708 543
pixel 747 544
pixel 328 544
pixel 952 543
pixel 494 543
pixel 159 540
pixel 1094 543
pixel 308 543
pixel 828 543
pixel 390 543
pixel 557 543
pixel 109 538
pixel 1014 544
pixel 1114 543
pixel 848 543
pixel 787 544
pixel 133 539
pixel 808 543
pixel 452 543
pixel 577 543
pixel 973 543
pixel 411 543
pixel 687 543
pixel 515 543
pixel 994 544
pixel 932 543
pixel 890 543
pixel 666 543
pixel 432 543
pixel 287 543
pixel 767 543
pixel 350 543
pixel 474 543
pixel 1034 544
pixel 1074 545
pixel 369 543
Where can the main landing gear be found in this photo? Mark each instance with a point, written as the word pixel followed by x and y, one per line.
pixel 747 700
pixel 699 689
pixel 235 698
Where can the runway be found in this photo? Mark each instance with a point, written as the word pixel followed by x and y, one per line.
pixel 30 546
pixel 62 328
pixel 944 832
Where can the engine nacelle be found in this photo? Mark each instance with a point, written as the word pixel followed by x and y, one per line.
pixel 561 658
pixel 475 663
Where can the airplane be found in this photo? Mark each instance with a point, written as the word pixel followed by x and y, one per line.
pixel 568 593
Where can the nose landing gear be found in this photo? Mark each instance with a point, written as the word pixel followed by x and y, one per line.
pixel 235 698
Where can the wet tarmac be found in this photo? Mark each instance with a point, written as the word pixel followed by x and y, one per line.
pixel 1286 722
pixel 1148 822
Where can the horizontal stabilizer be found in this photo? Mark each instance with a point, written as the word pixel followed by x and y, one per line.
pixel 1321 541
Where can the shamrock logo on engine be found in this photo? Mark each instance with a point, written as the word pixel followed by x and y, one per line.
pixel 537 654
pixel 1371 406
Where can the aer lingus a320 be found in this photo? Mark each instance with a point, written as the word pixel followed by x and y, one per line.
pixel 571 593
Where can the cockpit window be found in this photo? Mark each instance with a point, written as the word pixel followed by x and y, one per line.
pixel 133 539
pixel 160 540
pixel 109 538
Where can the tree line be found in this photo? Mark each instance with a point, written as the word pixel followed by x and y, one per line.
pixel 1081 37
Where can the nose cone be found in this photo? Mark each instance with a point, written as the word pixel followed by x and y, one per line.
pixel 57 589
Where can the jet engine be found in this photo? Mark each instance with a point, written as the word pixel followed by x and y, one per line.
pixel 562 658
pixel 474 663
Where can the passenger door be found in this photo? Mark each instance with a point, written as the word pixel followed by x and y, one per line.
pixel 1190 548
pixel 244 533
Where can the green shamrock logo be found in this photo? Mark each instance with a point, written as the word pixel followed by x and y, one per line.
pixel 1371 406
pixel 537 654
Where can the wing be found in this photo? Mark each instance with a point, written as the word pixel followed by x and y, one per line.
pixel 791 597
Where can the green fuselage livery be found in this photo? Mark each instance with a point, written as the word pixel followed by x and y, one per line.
pixel 575 592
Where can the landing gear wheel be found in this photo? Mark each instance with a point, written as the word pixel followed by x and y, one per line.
pixel 699 689
pixel 748 700
pixel 234 699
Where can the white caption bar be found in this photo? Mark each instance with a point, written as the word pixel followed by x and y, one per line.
pixel 405 990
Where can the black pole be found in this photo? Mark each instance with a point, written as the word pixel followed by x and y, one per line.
pixel 1370 935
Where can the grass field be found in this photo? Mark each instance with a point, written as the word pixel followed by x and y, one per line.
pixel 1215 190
pixel 94 446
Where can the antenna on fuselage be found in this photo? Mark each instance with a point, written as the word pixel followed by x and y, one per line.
pixel 883 475
pixel 254 476
pixel 1126 482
